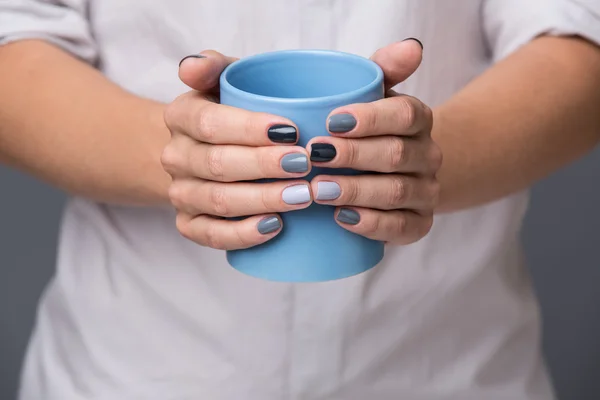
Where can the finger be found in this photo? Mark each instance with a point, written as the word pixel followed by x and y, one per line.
pixel 230 163
pixel 206 121
pixel 398 227
pixel 229 235
pixel 399 60
pixel 380 154
pixel 196 196
pixel 202 71
pixel 398 115
pixel 383 192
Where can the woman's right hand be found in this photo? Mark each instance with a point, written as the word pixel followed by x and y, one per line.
pixel 215 149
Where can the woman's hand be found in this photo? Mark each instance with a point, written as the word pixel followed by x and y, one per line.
pixel 391 137
pixel 214 148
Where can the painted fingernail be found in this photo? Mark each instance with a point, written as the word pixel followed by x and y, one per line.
pixel 294 162
pixel 416 40
pixel 282 134
pixel 191 56
pixel 296 194
pixel 268 225
pixel 322 152
pixel 328 191
pixel 341 123
pixel 348 216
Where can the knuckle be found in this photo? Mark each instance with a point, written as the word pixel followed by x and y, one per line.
pixel 371 118
pixel 351 191
pixel 170 158
pixel 214 162
pixel 177 195
pixel 407 114
pixel 268 162
pixel 212 237
pixel 351 151
pixel 401 225
pixel 435 157
pixel 205 122
pixel 252 125
pixel 170 113
pixel 396 154
pixel 218 200
pixel 371 226
pixel 397 193
pixel 183 226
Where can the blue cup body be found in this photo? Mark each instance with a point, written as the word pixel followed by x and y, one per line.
pixel 305 86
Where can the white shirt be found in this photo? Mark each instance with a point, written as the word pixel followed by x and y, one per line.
pixel 137 312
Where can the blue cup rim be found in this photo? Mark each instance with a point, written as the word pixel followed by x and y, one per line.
pixel 225 85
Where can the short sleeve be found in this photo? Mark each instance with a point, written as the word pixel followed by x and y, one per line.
pixel 61 22
pixel 509 24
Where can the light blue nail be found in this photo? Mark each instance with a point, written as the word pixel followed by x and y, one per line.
pixel 341 123
pixel 268 225
pixel 328 191
pixel 348 216
pixel 296 194
pixel 294 162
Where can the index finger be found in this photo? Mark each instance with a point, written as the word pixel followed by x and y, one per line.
pixel 205 121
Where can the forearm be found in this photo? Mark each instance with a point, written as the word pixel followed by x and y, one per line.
pixel 65 123
pixel 520 121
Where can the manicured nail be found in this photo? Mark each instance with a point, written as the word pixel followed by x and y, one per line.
pixel 191 56
pixel 416 40
pixel 282 134
pixel 328 191
pixel 268 225
pixel 296 194
pixel 294 162
pixel 322 152
pixel 348 216
pixel 341 123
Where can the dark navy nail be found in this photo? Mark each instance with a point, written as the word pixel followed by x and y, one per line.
pixel 282 134
pixel 416 40
pixel 348 216
pixel 341 123
pixel 268 225
pixel 322 152
pixel 191 56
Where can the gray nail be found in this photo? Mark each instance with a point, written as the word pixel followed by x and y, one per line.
pixel 328 191
pixel 348 216
pixel 341 123
pixel 268 225
pixel 296 194
pixel 294 162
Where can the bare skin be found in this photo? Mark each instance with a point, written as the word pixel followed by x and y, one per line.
pixel 527 116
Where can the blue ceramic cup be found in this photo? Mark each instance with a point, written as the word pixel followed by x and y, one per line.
pixel 305 86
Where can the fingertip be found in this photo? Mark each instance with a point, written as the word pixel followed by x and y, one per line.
pixel 201 71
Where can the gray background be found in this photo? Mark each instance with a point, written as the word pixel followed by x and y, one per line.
pixel 561 237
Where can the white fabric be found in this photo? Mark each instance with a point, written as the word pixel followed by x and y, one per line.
pixel 137 312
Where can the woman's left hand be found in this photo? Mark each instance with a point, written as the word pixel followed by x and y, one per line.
pixel 391 137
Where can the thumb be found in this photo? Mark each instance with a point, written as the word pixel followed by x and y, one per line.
pixel 399 60
pixel 202 71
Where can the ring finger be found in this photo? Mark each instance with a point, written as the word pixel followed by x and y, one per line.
pixel 383 192
pixel 195 196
